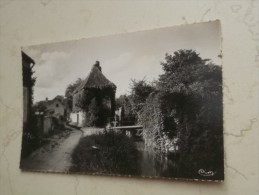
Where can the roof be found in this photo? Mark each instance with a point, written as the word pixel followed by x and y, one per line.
pixel 27 58
pixel 58 98
pixel 53 101
pixel 95 80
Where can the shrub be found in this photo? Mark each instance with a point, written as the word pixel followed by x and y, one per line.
pixel 106 153
pixel 187 105
pixel 191 88
pixel 158 128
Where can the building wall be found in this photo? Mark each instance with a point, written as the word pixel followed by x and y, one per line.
pixel 47 124
pixel 60 109
pixel 77 118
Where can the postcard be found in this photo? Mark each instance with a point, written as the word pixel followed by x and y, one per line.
pixel 141 104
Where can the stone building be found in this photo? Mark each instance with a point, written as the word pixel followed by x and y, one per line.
pixel 28 83
pixel 56 106
pixel 95 91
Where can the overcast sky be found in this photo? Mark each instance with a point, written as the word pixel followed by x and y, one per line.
pixel 122 57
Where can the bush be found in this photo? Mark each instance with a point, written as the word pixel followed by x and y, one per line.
pixel 151 119
pixel 191 89
pixel 106 153
pixel 158 128
pixel 187 105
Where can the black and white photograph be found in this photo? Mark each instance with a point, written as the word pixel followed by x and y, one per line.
pixel 140 104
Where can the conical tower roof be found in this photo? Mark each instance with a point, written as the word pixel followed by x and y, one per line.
pixel 95 80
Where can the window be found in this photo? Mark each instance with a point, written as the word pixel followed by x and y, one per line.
pixel 57 105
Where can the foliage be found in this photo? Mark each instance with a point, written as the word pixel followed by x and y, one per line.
pixel 29 138
pixel 183 108
pixel 181 59
pixel 151 119
pixel 191 93
pixel 121 101
pixel 106 153
pixel 33 81
pixel 129 116
pixel 140 90
pixel 133 103
pixel 69 92
pixel 91 116
pixel 95 114
pixel 96 105
pixel 186 110
pixel 39 107
pixel 158 128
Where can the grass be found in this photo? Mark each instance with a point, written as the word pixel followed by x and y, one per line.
pixel 106 153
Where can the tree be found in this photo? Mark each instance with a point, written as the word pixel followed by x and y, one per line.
pixel 129 117
pixel 140 90
pixel 191 95
pixel 133 103
pixel 39 107
pixel 182 58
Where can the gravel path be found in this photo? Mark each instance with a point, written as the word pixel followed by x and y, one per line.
pixel 55 156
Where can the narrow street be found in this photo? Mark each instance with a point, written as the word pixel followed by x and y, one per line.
pixel 56 155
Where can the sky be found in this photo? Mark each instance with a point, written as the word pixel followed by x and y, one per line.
pixel 123 57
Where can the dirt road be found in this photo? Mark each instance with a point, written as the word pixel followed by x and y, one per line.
pixel 56 156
